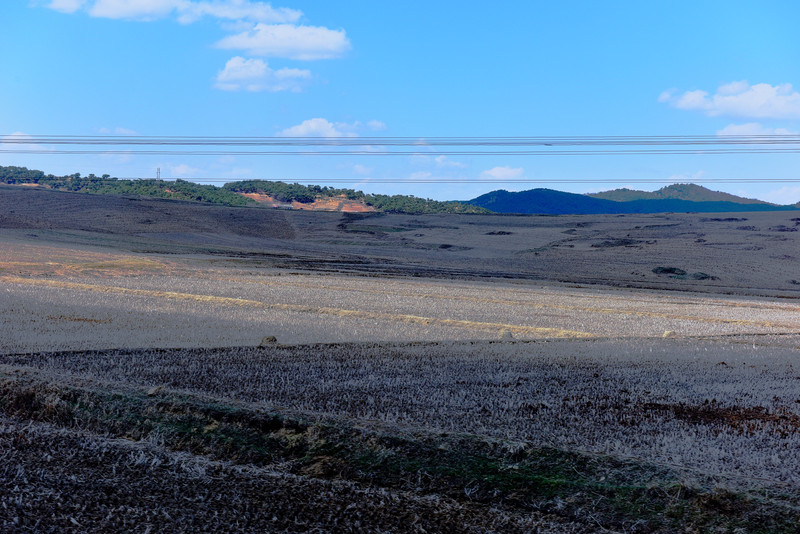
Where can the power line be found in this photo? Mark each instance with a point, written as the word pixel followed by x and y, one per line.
pixel 602 145
pixel 695 151
pixel 421 141
pixel 382 146
pixel 367 181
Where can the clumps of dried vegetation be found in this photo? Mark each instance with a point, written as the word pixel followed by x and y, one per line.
pixel 487 436
pixel 191 462
pixel 680 274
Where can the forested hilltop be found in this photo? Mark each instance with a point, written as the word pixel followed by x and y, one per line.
pixel 284 192
pixel 230 194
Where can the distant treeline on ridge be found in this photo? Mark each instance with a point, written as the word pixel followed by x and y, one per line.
pixel 229 194
pixel 679 198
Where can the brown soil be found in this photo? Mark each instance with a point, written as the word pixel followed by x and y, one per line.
pixel 340 203
pixel 742 419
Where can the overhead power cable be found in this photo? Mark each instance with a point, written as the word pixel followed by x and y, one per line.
pixel 408 141
pixel 367 181
pixel 401 146
pixel 696 151
pixel 507 141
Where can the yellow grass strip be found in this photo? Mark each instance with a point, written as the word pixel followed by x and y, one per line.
pixel 565 307
pixel 339 312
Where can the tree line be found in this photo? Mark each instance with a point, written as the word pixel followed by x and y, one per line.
pixel 229 194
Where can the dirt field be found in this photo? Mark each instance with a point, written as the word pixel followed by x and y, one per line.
pixel 160 360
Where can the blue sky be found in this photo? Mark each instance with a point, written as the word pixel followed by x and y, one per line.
pixel 416 69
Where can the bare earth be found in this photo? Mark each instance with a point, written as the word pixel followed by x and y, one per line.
pixel 421 373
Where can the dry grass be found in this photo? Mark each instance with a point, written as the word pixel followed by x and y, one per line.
pixel 462 392
pixel 191 461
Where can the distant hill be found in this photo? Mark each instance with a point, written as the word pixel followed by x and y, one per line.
pixel 550 202
pixel 313 194
pixel 265 193
pixel 544 201
pixel 244 193
pixel 691 192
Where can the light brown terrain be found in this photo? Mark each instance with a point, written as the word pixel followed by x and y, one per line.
pixel 171 366
pixel 340 203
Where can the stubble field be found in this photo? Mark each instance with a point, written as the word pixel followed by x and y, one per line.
pixel 166 365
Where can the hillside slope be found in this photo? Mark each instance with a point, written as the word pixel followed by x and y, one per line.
pixel 691 192
pixel 550 202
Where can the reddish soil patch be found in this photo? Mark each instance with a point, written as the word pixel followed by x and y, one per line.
pixel 321 204
pixel 740 418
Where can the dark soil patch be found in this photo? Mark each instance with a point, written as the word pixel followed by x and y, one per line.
pixel 669 270
pixel 608 243
pixel 738 418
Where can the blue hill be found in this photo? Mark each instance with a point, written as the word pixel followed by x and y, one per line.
pixel 552 202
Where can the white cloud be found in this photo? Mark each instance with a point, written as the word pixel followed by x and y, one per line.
pixel 237 10
pixel 740 99
pixel 319 127
pixel 303 43
pixel 444 161
pixel 503 173
pixel 185 11
pixel 133 9
pixel 257 28
pixel 66 6
pixel 316 128
pixel 753 128
pixel 255 75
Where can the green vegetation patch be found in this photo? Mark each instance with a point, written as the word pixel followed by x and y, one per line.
pixel 106 185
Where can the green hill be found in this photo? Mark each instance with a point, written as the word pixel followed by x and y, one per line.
pixel 228 195
pixel 691 192
pixel 550 202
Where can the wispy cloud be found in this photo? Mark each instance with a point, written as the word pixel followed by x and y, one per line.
pixel 66 6
pixel 445 162
pixel 184 11
pixel 253 75
pixel 181 170
pixel 21 141
pixel 119 130
pixel 740 99
pixel 289 41
pixel 784 195
pixel 362 170
pixel 503 173
pixel 320 127
pixel 753 128
pixel 376 125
